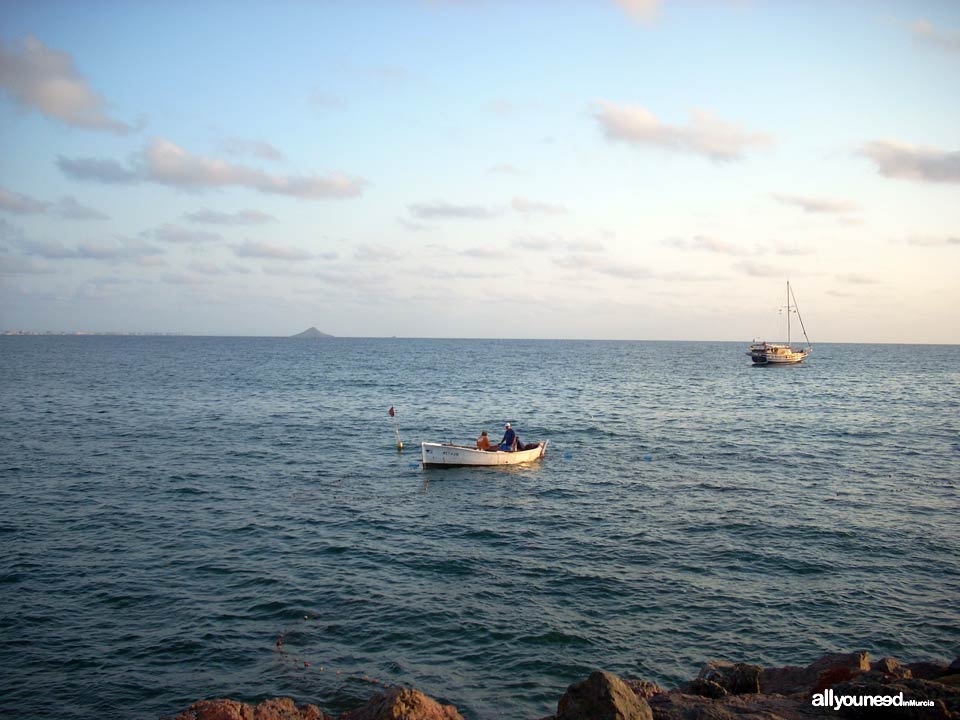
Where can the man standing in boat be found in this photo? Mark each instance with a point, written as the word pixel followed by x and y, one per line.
pixel 510 439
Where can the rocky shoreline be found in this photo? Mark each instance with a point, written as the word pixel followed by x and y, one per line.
pixel 721 691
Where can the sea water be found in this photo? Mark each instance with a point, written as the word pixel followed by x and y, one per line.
pixel 184 518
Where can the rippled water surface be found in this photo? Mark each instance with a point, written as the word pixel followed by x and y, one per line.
pixel 174 507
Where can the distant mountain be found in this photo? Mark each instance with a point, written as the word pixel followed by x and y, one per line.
pixel 311 332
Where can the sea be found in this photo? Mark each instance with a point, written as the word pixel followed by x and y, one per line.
pixel 185 518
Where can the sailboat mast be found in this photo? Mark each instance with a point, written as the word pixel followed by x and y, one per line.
pixel 788 312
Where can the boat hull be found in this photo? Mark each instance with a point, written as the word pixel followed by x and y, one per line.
pixel 448 455
pixel 769 354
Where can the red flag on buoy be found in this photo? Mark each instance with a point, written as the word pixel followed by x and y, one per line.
pixel 392 413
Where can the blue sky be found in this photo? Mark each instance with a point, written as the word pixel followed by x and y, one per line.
pixel 635 169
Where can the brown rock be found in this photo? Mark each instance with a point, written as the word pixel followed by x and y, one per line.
pixel 704 688
pixel 735 678
pixel 946 699
pixel 602 696
pixel 400 703
pixel 791 679
pixel 644 688
pixel 927 670
pixel 274 709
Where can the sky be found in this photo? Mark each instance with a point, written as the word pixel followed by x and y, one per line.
pixel 632 169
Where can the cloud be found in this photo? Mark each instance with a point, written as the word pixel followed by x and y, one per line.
pixel 912 162
pixel 705 244
pixel 180 235
pixel 67 208
pixel 241 217
pixel 50 249
pixel 207 268
pixel 755 269
pixel 376 253
pixel 20 204
pixel 707 135
pixel 933 241
pixel 19 265
pixel 36 77
pixel 120 250
pixel 505 169
pixel 856 279
pixel 412 226
pixel 102 170
pixel 270 251
pixel 818 205
pixel 925 33
pixel 627 271
pixel 524 205
pixel 164 162
pixel 257 148
pixel 642 11
pixel 443 210
pixel 545 244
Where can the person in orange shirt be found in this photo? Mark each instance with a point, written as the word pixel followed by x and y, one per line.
pixel 483 442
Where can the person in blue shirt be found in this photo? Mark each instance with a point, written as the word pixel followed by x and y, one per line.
pixel 510 439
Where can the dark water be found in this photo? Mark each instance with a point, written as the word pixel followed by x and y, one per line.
pixel 173 506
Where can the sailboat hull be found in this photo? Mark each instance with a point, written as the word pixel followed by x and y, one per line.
pixel 770 354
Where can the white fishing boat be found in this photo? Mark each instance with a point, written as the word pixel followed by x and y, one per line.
pixel 766 353
pixel 450 455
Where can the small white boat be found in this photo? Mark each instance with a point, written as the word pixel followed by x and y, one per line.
pixel 450 455
pixel 764 353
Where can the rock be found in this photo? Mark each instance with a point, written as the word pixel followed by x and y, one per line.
pixel 891 668
pixel 602 696
pixel 822 673
pixel 735 678
pixel 704 688
pixel 927 670
pixel 946 699
pixel 273 709
pixel 400 703
pixel 644 688
pixel 953 668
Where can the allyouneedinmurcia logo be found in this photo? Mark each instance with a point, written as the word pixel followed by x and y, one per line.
pixel 830 699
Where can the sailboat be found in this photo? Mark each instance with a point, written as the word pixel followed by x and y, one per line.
pixel 764 353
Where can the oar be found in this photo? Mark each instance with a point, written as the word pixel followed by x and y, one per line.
pixel 396 429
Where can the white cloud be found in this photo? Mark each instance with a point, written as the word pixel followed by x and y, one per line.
pixel 376 253
pixel 934 241
pixel 524 205
pixel 924 32
pixel 912 162
pixel 37 77
pixel 707 135
pixel 67 208
pixel 20 204
pixel 818 205
pixel 443 210
pixel 180 235
pixel 857 279
pixel 706 244
pixel 257 148
pixel 164 162
pixel 120 250
pixel 271 251
pixel 755 269
pixel 504 168
pixel 241 217
pixel 643 11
